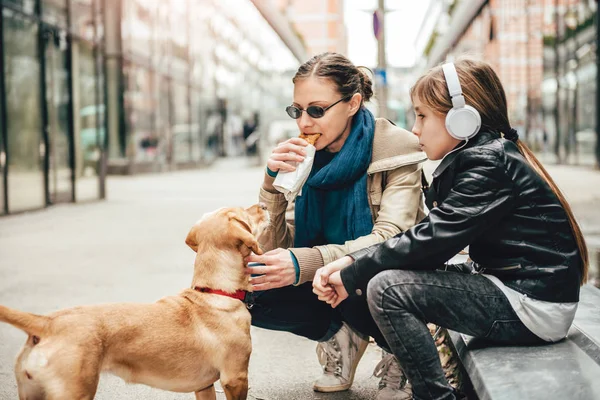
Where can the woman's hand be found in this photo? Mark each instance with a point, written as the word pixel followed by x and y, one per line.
pixel 292 150
pixel 277 272
pixel 327 284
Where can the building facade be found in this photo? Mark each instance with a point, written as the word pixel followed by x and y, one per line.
pixel 91 87
pixel 51 103
pixel 189 75
pixel 545 54
pixel 319 23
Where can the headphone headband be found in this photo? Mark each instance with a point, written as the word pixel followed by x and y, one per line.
pixel 452 79
pixel 462 121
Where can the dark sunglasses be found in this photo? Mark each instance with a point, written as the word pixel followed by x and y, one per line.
pixel 313 111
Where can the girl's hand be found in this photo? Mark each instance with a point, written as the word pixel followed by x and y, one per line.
pixel 322 285
pixel 290 151
pixel 335 280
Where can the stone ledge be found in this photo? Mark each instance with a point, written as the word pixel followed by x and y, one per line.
pixel 569 369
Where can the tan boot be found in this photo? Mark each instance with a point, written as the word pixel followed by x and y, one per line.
pixel 393 384
pixel 339 357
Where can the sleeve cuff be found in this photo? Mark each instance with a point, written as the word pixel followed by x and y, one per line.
pixel 350 277
pixel 309 261
pixel 268 183
pixel 351 282
pixel 296 267
pixel 272 174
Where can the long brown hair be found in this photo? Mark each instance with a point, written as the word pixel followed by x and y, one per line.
pixel 483 90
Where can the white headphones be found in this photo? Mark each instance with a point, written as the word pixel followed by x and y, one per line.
pixel 462 121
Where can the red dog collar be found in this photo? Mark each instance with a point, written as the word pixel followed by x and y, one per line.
pixel 239 294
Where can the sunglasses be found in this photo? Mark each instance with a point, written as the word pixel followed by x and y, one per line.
pixel 313 111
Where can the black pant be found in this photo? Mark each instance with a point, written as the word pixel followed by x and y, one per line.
pixel 297 309
pixel 401 302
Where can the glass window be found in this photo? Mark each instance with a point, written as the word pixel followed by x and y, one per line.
pixel 161 56
pixel 197 119
pixel 82 19
pixel 58 128
pixel 137 26
pixel 101 101
pixel 55 12
pixel 28 6
pixel 2 161
pixel 178 35
pixel 569 89
pixel 140 107
pixel 22 80
pixel 181 131
pixel 163 122
pixel 89 132
pixel 99 19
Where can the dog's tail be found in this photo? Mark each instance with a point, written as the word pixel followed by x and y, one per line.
pixel 32 324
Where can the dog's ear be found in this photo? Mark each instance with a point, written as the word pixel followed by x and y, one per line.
pixel 192 238
pixel 241 230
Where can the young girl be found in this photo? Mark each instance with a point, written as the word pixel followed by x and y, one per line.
pixel 490 193
pixel 364 187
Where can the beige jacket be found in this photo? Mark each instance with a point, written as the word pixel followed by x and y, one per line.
pixel 394 193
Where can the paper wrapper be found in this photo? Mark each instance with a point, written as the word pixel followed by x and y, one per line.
pixel 290 183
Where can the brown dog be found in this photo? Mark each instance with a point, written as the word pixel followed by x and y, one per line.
pixel 182 343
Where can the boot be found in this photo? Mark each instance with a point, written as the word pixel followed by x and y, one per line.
pixel 339 357
pixel 393 384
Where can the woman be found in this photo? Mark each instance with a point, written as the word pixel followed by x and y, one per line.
pixel 490 193
pixel 364 187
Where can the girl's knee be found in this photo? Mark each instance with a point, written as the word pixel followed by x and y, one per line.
pixel 377 286
pixel 389 285
pixel 374 289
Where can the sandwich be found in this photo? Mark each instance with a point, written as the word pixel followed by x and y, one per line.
pixel 311 138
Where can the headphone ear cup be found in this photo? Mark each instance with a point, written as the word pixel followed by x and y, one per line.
pixel 463 123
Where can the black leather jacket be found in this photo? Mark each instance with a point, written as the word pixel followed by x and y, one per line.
pixel 488 197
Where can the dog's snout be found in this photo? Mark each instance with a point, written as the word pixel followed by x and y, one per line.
pixel 262 206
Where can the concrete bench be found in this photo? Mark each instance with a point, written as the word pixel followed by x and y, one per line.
pixel 569 369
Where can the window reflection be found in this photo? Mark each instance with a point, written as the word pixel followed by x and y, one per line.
pixel 569 87
pixel 2 161
pixel 22 83
pixel 57 103
pixel 163 122
pixel 188 60
pixel 140 107
pixel 55 12
pixel 89 133
pixel 27 6
pixel 137 26
pixel 181 131
pixel 82 19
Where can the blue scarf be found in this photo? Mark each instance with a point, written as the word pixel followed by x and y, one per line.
pixel 347 174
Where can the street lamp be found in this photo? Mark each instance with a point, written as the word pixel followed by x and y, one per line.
pixel 381 84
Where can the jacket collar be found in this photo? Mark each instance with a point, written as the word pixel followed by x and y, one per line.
pixel 478 140
pixel 393 147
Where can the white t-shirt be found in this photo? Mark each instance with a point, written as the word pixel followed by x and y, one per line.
pixel 549 321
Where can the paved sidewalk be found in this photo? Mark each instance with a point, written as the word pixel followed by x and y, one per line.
pixel 131 248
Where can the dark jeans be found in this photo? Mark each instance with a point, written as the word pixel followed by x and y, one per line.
pixel 297 309
pixel 403 301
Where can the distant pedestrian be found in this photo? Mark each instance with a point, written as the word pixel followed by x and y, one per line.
pixel 250 136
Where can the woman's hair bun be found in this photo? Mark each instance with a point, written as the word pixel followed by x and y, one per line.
pixel 366 83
